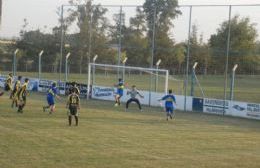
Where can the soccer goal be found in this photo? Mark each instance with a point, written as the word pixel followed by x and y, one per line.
pixel 102 78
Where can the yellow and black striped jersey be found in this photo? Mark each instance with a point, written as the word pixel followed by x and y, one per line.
pixel 9 81
pixel 73 100
pixel 23 89
pixel 17 86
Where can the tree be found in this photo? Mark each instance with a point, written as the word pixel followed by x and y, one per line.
pixel 135 42
pixel 161 13
pixel 243 43
pixel 31 43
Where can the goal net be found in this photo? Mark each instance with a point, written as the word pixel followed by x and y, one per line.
pixel 151 82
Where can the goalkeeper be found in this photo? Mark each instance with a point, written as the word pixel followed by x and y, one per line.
pixel 133 93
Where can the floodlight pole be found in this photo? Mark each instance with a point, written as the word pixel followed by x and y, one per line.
pixel 152 53
pixel 227 60
pixel 193 78
pixel 66 66
pixel 233 82
pixel 157 67
pixel 40 65
pixel 61 41
pixel 14 62
pixel 188 62
pixel 124 62
pixel 94 69
pixel 120 40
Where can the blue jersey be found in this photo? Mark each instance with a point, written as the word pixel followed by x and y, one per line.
pixel 169 99
pixel 120 88
pixel 52 92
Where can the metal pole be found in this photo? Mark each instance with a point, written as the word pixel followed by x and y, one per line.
pixel 166 82
pixel 90 37
pixel 227 59
pixel 14 62
pixel 89 78
pixel 232 86
pixel 156 82
pixel 94 69
pixel 66 70
pixel 233 82
pixel 192 82
pixel 66 66
pixel 119 41
pixel 61 42
pixel 188 62
pixel 40 67
pixel 152 55
pixel 193 76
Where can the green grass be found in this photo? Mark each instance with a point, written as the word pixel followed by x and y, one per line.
pixel 108 137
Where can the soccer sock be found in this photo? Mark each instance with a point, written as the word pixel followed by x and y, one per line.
pixel 22 106
pixel 19 108
pixel 77 120
pixel 69 120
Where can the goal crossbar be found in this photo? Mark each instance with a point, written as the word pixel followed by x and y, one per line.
pixel 129 67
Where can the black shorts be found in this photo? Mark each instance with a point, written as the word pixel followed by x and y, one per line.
pixel 73 111
pixel 7 87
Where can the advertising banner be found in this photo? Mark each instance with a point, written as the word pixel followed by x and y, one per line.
pixel 215 106
pixel 33 84
pixel 82 87
pixel 44 86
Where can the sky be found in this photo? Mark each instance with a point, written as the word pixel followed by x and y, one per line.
pixel 42 14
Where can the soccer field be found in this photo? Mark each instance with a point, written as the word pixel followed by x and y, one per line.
pixel 109 137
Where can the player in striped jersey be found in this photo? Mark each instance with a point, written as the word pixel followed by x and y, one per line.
pixel 73 105
pixel 14 94
pixel 22 93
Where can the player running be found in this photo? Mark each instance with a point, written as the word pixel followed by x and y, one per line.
pixel 9 84
pixel 133 93
pixel 169 104
pixel 73 105
pixel 120 91
pixel 22 93
pixel 51 95
pixel 14 94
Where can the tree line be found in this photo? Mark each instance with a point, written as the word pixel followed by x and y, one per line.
pixel 97 36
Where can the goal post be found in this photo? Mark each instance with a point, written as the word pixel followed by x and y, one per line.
pixel 146 79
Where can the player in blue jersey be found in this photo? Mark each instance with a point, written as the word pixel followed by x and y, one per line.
pixel 51 95
pixel 170 103
pixel 120 91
